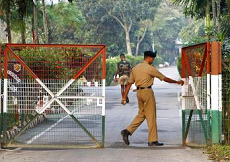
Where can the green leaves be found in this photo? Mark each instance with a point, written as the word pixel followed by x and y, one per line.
pixel 193 8
pixel 64 20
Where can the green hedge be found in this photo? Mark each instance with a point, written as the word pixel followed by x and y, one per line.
pixel 111 64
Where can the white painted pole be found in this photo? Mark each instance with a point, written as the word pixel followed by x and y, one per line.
pixel 103 99
pixel 5 97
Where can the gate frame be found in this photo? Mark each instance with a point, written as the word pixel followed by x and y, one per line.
pixel 101 51
pixel 1 110
pixel 185 65
pixel 213 131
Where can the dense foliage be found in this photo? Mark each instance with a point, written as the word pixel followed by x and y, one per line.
pixel 97 22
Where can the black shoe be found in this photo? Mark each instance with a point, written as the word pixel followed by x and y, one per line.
pixel 156 143
pixel 125 135
pixel 127 99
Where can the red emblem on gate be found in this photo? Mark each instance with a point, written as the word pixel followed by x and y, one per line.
pixel 17 67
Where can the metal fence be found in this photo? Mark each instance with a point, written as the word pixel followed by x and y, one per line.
pixel 226 101
pixel 194 94
pixel 54 95
pixel 226 93
pixel 202 94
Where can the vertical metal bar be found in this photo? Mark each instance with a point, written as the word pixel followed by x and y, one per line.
pixel 5 116
pixel 183 64
pixel 208 92
pixel 220 91
pixel 183 128
pixel 1 111
pixel 103 100
pixel 183 94
pixel 103 95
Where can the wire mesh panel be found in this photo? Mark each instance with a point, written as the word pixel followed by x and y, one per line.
pixel 194 108
pixel 226 94
pixel 226 103
pixel 54 95
pixel 194 94
pixel 1 85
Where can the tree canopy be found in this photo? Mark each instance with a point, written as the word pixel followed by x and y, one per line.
pixel 129 27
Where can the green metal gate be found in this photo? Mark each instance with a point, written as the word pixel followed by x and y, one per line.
pixel 53 96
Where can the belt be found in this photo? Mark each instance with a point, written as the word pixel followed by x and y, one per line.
pixel 138 88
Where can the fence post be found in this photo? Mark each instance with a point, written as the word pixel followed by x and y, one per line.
pixel 216 106
pixel 1 119
pixel 183 99
pixel 208 52
pixel 103 95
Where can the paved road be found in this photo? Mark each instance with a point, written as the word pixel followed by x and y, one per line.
pixel 117 118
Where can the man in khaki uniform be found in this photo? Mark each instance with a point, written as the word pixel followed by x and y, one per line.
pixel 143 76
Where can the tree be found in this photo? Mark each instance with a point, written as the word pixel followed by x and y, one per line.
pixel 35 22
pixel 193 32
pixel 196 8
pixel 64 29
pixel 165 29
pixel 126 13
pixel 45 21
pixel 202 9
pixel 16 12
pixel 140 34
pixel 5 6
pixel 23 11
pixel 193 8
pixel 228 4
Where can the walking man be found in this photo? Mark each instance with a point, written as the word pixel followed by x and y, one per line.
pixel 143 76
pixel 123 70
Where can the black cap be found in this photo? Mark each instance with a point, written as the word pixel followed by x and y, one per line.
pixel 150 53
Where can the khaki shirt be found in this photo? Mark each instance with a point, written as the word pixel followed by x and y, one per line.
pixel 143 75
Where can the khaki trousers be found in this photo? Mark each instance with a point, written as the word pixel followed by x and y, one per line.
pixel 147 110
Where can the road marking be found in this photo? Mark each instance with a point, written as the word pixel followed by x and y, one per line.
pixel 48 129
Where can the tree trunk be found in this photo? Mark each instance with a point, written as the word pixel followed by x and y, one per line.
pixel 127 29
pixel 8 28
pixel 228 4
pixel 23 32
pixel 207 13
pixel 137 47
pixel 128 44
pixel 218 16
pixel 45 21
pixel 214 13
pixel 139 40
pixel 36 40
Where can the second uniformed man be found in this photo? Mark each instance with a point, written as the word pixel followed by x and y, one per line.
pixel 143 76
pixel 123 69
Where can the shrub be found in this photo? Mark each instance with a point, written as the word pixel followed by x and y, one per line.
pixel 111 65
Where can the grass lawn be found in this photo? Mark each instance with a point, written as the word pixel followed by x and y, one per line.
pixel 218 152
